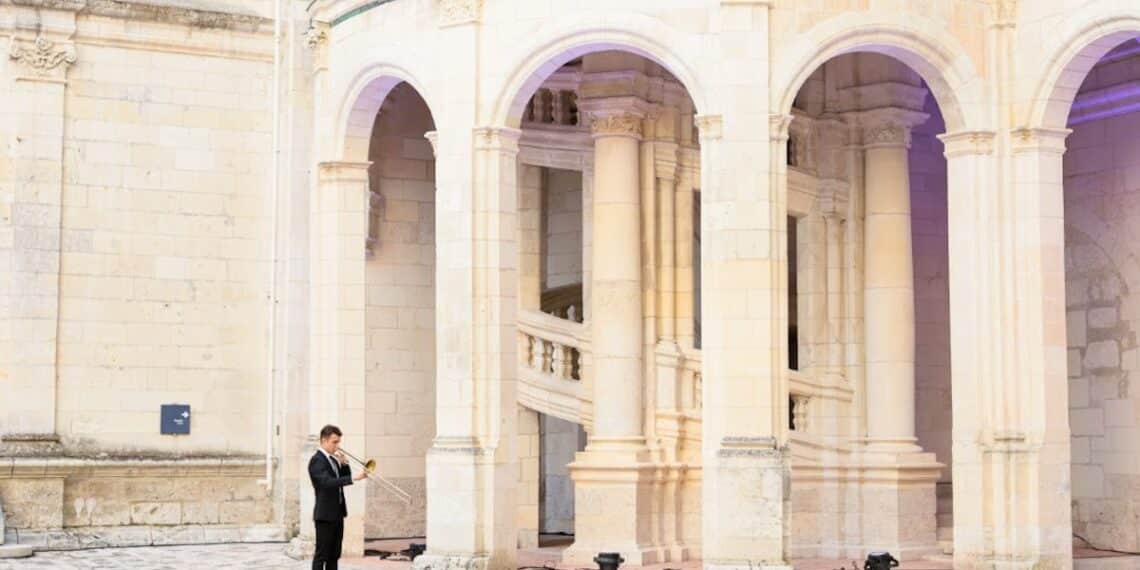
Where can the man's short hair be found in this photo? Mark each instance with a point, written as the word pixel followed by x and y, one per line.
pixel 329 431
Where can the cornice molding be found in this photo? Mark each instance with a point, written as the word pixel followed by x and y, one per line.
pixel 146 11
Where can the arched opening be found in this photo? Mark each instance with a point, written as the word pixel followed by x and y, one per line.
pixel 869 291
pixel 1101 169
pixel 399 319
pixel 608 182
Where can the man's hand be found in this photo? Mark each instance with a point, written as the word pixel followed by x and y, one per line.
pixel 339 455
pixel 359 475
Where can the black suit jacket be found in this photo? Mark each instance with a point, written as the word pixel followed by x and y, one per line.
pixel 327 486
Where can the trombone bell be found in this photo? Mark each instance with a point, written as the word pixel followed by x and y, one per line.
pixel 370 466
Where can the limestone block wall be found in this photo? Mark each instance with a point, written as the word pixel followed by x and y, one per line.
pixel 164 263
pixel 560 440
pixel 1102 214
pixel 562 223
pixel 151 154
pixel 400 313
pixel 929 232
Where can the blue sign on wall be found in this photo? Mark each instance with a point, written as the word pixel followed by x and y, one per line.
pixel 175 419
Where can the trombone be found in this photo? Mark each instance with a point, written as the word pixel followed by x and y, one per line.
pixel 370 469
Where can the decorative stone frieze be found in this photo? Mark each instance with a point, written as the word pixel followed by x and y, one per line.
pixel 456 12
pixel 42 56
pixel 615 124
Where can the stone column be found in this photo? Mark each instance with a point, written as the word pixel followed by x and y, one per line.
pixel 339 226
pixel 612 504
pixel 898 493
pixel 1012 497
pixel 888 293
pixel 39 66
pixel 472 466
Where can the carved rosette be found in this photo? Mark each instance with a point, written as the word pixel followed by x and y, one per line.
pixel 615 125
pixel 455 12
pixel 42 56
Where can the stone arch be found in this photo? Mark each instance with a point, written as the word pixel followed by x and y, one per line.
pixel 1086 41
pixel 362 100
pixel 642 35
pixel 936 56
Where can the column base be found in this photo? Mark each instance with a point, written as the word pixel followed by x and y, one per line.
pixel 613 503
pixel 898 502
pixel 445 562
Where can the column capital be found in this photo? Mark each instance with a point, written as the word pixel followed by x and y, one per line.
pixel 503 139
pixel 616 123
pixel 779 126
pixel 343 171
pixel 968 142
pixel 45 59
pixel 888 127
pixel 1039 140
pixel 711 127
pixel 433 138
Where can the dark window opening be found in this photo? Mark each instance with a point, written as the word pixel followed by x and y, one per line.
pixel 793 286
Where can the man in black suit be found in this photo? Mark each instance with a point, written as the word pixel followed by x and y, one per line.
pixel 330 473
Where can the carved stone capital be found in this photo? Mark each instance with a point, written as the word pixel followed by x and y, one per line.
pixel 433 138
pixel 502 139
pixel 343 171
pixel 889 127
pixel 42 56
pixel 1005 12
pixel 1039 140
pixel 778 127
pixel 456 12
pixel 711 127
pixel 616 124
pixel 968 142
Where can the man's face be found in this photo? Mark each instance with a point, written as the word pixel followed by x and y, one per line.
pixel 330 443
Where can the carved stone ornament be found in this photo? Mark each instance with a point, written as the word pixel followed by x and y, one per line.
pixel 453 12
pixel 709 126
pixel 886 134
pixel 615 124
pixel 42 55
pixel 316 37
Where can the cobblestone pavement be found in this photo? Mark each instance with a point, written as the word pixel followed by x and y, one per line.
pixel 225 556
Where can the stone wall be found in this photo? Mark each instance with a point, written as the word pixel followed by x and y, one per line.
pixel 1102 214
pixel 562 223
pixel 400 314
pixel 163 270
pixel 92 502
pixel 560 441
pixel 137 180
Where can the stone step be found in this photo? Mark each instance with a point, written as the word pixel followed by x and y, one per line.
pixel 15 551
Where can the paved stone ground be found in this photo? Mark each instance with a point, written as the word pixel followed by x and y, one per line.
pixel 271 556
pixel 221 556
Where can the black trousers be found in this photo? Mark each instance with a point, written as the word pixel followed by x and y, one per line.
pixel 329 536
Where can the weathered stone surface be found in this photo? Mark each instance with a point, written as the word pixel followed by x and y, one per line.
pixel 1102 354
pixel 156 513
pixel 1103 317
